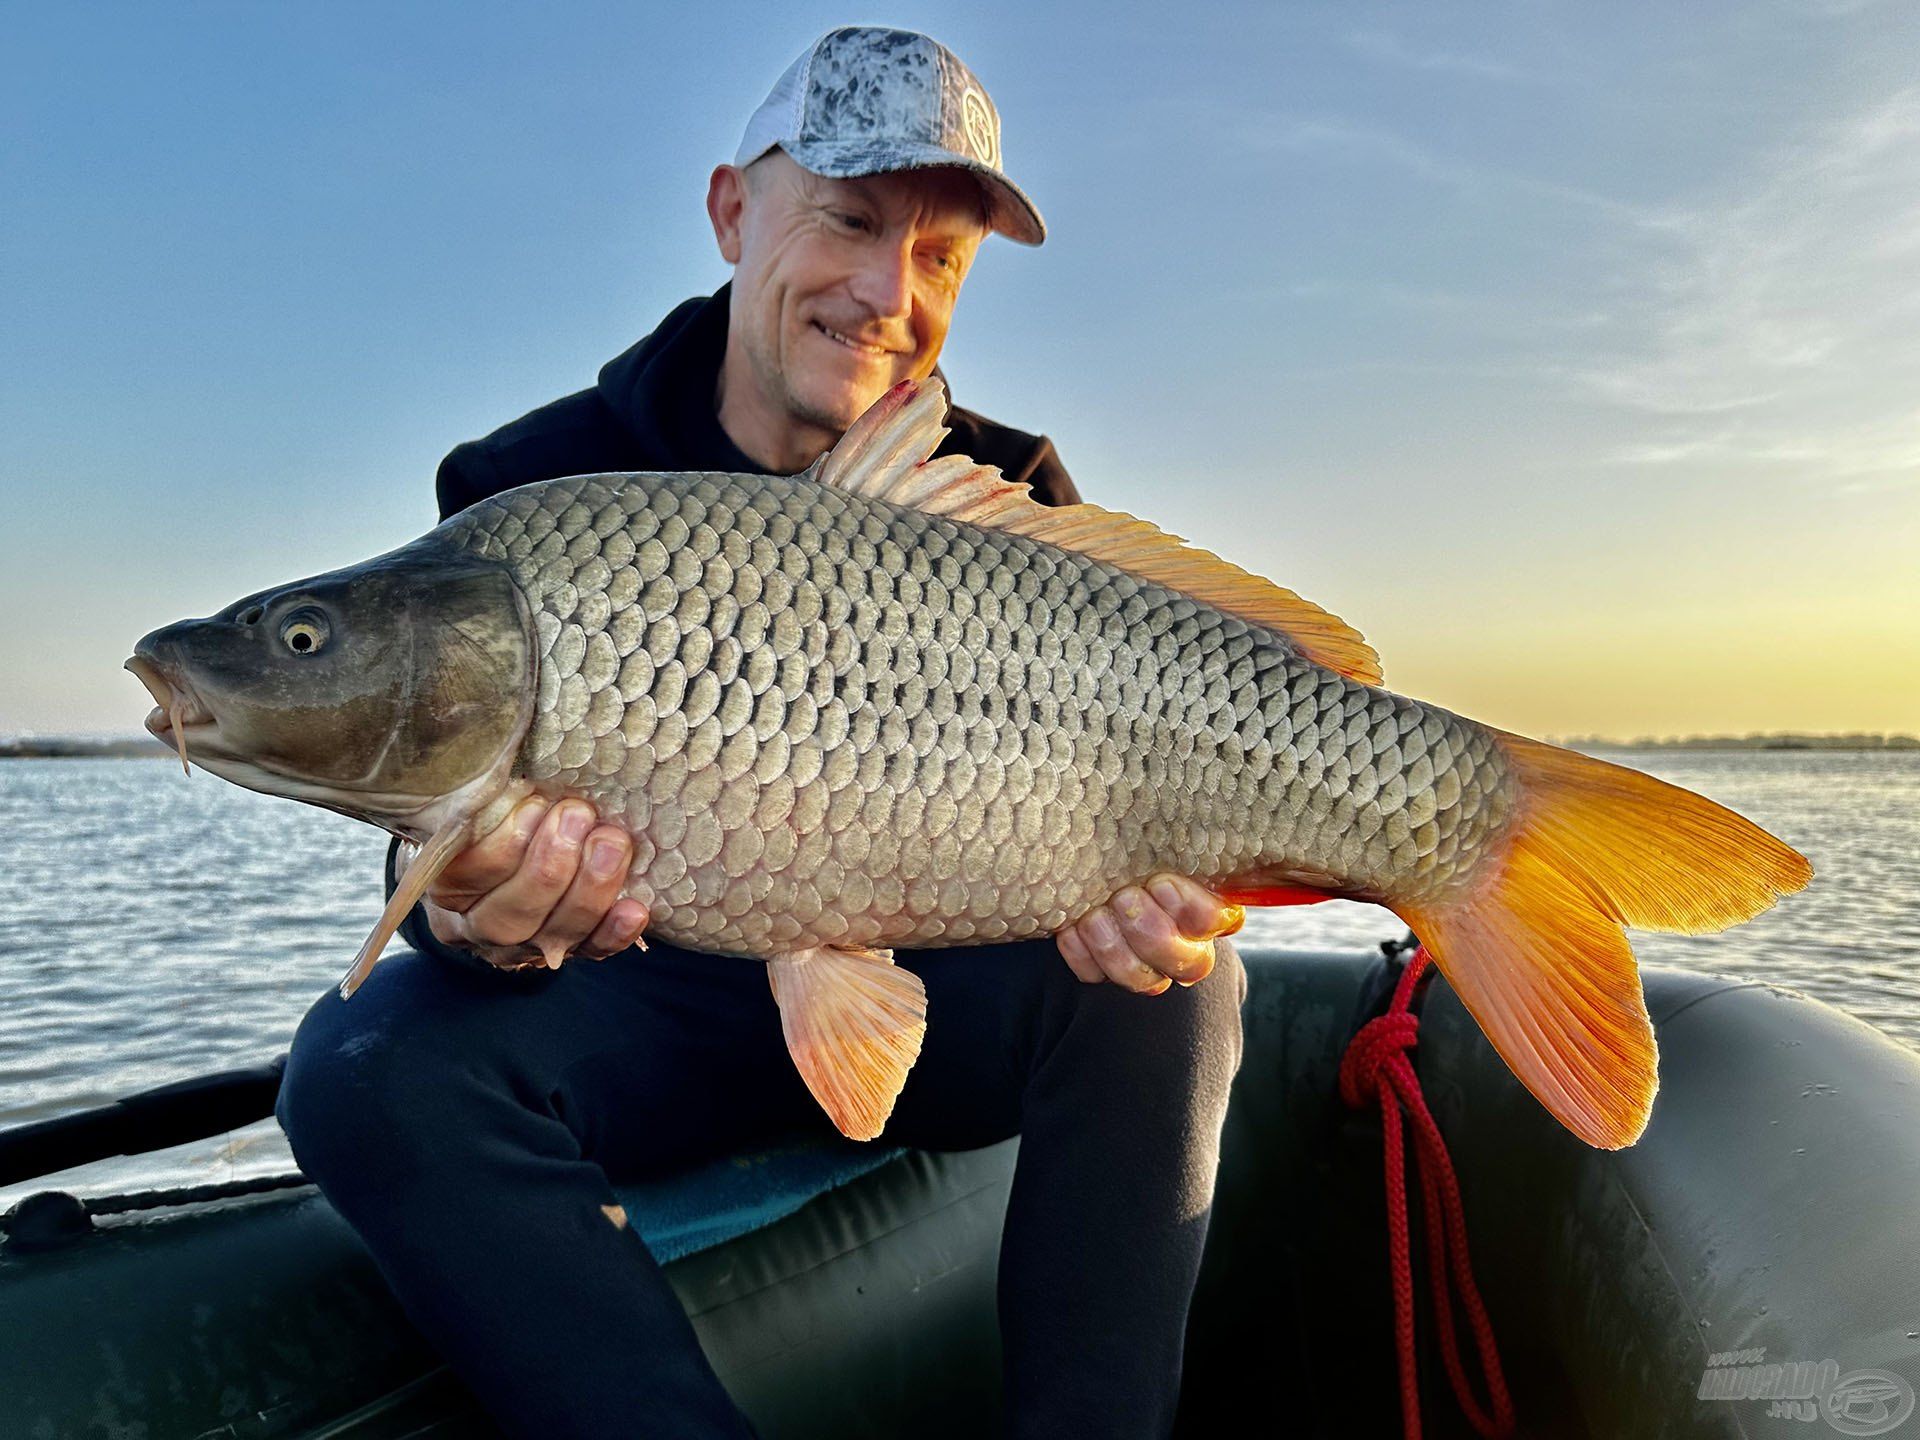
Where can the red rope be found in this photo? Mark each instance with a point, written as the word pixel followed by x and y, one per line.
pixel 1377 1066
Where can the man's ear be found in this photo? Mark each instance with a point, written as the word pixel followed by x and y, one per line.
pixel 726 206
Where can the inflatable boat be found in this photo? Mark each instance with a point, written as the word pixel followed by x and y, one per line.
pixel 1751 1267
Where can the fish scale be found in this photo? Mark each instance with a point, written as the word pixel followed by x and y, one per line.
pixel 831 720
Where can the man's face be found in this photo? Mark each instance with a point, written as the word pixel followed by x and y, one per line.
pixel 843 288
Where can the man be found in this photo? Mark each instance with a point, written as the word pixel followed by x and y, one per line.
pixel 497 1104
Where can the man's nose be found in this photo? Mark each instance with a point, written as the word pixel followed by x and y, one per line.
pixel 884 281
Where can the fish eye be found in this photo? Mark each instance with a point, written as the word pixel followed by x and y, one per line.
pixel 304 631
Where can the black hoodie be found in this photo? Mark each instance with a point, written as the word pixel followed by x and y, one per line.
pixel 653 410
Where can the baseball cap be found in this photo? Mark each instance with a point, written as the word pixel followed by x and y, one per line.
pixel 868 99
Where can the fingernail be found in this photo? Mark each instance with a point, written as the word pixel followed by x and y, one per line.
pixel 1130 903
pixel 604 858
pixel 1166 893
pixel 575 824
pixel 1105 932
pixel 527 818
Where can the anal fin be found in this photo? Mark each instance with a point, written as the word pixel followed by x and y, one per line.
pixel 853 1022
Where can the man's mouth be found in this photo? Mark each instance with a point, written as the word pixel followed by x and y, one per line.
pixel 860 347
pixel 175 708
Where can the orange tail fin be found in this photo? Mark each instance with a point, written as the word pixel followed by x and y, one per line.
pixel 1535 949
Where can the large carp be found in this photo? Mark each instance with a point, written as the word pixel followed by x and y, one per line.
pixel 894 701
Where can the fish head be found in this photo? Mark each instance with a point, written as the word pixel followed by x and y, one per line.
pixel 376 690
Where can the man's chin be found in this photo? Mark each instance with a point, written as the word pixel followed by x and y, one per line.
pixel 838 409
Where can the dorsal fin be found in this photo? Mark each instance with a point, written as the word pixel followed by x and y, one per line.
pixel 887 455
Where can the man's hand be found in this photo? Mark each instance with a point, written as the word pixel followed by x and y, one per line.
pixel 540 886
pixel 1150 937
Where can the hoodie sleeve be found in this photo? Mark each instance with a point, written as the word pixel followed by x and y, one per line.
pixel 466 475
pixel 1049 478
pixel 575 435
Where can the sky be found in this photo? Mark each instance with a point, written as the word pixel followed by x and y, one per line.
pixel 1565 350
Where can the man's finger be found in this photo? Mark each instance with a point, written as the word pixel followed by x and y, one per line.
pixel 1073 950
pixel 1150 933
pixel 491 860
pixel 1110 951
pixel 1209 952
pixel 620 929
pixel 1196 911
pixel 449 927
pixel 606 854
pixel 516 910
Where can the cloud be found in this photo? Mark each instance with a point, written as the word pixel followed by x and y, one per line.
pixel 1837 9
pixel 1760 312
pixel 1311 134
pixel 1376 145
pixel 1386 49
pixel 1773 322
pixel 1869 455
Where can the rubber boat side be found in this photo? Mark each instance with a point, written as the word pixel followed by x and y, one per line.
pixel 1771 1207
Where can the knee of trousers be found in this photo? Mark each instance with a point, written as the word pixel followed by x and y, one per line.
pixel 1179 1029
pixel 1209 1011
pixel 1214 1011
pixel 379 1073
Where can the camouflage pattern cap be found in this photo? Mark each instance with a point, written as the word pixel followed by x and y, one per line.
pixel 866 99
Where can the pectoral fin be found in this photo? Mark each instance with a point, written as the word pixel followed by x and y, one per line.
pixel 853 1022
pixel 441 846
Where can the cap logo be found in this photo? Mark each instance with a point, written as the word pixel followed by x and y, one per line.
pixel 976 119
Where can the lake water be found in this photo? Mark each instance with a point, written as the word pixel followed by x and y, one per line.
pixel 153 928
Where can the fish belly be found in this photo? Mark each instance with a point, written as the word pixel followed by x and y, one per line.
pixel 830 720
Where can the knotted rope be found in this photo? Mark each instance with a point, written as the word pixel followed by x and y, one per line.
pixel 1377 1066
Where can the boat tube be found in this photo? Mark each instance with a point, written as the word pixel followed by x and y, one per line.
pixel 1749 1268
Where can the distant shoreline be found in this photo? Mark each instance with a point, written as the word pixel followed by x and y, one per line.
pixel 1779 740
pixel 55 747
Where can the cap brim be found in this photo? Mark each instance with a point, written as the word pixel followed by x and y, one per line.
pixel 1009 211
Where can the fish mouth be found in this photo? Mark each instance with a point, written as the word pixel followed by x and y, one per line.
pixel 176 709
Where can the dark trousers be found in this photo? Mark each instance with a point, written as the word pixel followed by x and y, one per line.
pixel 465 1122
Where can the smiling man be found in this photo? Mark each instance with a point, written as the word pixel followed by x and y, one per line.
pixel 498 1103
pixel 849 289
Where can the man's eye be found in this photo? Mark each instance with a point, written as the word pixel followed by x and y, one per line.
pixel 851 222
